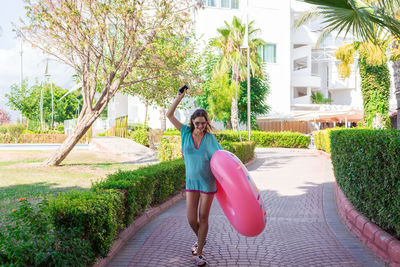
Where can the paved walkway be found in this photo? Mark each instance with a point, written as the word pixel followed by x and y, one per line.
pixel 124 147
pixel 303 227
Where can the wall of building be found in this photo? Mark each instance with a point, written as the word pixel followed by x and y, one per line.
pixel 273 18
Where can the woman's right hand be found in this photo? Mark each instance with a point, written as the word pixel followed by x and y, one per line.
pixel 181 95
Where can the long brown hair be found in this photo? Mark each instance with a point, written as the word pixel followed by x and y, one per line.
pixel 201 113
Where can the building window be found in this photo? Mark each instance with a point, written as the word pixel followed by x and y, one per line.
pixel 235 4
pixel 225 3
pixel 299 91
pixel 267 53
pixel 209 3
pixel 300 63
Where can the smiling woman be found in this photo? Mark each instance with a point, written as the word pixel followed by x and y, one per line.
pixel 198 146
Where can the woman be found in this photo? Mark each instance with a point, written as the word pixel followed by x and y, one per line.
pixel 198 146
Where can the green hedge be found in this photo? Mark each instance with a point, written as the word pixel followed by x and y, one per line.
pixel 243 150
pixel 100 214
pixel 267 139
pixel 170 149
pixel 366 165
pixel 322 140
pixel 146 186
pixel 140 135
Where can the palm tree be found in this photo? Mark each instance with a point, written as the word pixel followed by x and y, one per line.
pixel 234 60
pixel 318 98
pixel 361 18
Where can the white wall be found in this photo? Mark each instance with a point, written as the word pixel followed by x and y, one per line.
pixel 273 18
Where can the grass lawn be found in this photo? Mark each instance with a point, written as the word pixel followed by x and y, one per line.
pixel 22 176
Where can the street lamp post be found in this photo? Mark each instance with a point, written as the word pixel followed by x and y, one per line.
pixel 245 45
pixel 47 79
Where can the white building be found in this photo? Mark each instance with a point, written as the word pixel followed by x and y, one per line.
pixel 295 67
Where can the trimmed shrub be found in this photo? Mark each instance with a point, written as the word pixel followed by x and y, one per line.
pixel 262 138
pixel 243 150
pixel 366 165
pixel 32 240
pixel 280 139
pixel 60 128
pixel 322 140
pixel 146 186
pixel 172 132
pixel 140 136
pixel 168 150
pixel 137 191
pixel 99 214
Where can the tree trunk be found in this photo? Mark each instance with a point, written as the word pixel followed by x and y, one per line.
pixel 234 115
pixel 228 125
pixel 234 106
pixel 145 112
pixel 62 152
pixel 396 77
pixel 163 119
pixel 27 125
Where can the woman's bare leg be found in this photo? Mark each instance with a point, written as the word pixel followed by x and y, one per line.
pixel 192 203
pixel 205 206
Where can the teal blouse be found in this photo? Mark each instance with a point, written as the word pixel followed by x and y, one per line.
pixel 199 177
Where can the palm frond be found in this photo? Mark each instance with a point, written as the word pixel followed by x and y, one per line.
pixel 306 17
pixel 324 34
pixel 357 17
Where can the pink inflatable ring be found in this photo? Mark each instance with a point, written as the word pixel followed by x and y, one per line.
pixel 237 194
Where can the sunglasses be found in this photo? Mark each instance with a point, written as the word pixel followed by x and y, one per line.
pixel 197 123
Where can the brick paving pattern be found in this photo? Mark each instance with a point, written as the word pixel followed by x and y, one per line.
pixel 302 229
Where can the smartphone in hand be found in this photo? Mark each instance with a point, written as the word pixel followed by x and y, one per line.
pixel 183 88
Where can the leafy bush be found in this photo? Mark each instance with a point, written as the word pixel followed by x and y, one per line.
pixel 366 165
pixel 60 128
pixel 262 138
pixel 243 150
pixel 322 140
pixel 15 130
pixel 27 132
pixel 140 136
pixel 168 150
pixel 5 139
pixel 137 191
pixel 99 214
pixel 3 129
pixel 147 185
pixel 172 132
pixel 32 240
pixel 280 139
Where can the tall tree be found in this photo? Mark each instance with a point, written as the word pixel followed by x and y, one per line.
pixel 181 52
pixel 106 42
pixel 259 91
pixel 360 18
pixel 217 93
pixel 65 108
pixel 25 99
pixel 233 59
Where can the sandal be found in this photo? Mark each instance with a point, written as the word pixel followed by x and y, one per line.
pixel 201 260
pixel 195 247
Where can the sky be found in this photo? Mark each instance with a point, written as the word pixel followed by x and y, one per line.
pixel 34 61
